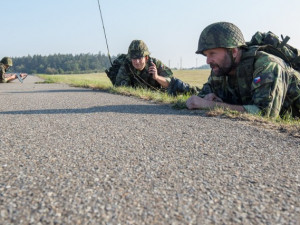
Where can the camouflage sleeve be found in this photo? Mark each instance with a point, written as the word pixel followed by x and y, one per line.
pixel 207 88
pixel 163 70
pixel 269 86
pixel 215 84
pixel 2 74
pixel 123 78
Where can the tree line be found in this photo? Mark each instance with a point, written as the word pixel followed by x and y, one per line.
pixel 61 63
pixel 66 64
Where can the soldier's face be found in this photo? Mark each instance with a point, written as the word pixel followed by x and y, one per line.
pixel 219 60
pixel 139 63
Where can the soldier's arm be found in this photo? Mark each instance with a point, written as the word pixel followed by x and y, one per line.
pixel 269 88
pixel 207 88
pixel 195 102
pixel 2 74
pixel 8 77
pixel 160 79
pixel 161 73
pixel 123 78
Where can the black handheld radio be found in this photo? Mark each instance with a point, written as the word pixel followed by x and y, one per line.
pixel 150 63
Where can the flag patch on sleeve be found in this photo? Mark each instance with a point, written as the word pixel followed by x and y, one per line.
pixel 257 80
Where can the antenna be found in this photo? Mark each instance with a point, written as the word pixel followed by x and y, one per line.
pixel 104 32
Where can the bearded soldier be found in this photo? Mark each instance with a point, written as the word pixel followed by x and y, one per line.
pixel 243 78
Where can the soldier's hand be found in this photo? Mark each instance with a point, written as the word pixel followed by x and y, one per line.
pixel 212 97
pixel 195 102
pixel 153 70
pixel 23 75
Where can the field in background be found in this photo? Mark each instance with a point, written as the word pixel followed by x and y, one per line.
pixel 192 77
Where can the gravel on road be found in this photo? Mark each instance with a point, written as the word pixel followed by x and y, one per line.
pixel 77 156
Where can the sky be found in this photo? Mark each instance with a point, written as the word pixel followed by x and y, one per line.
pixel 170 28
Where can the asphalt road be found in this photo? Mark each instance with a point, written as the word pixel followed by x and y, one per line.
pixel 76 156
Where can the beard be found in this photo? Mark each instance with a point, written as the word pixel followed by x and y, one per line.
pixel 224 67
pixel 220 70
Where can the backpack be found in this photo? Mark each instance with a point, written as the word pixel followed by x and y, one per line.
pixel 271 43
pixel 112 72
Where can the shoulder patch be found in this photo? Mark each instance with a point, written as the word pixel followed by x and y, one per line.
pixel 263 78
pixel 256 80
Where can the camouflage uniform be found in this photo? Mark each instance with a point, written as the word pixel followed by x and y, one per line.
pixel 123 73
pixel 129 76
pixel 4 61
pixel 270 88
pixel 263 84
pixel 2 73
pixel 177 86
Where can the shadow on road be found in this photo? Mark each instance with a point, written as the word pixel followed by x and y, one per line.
pixel 51 91
pixel 130 109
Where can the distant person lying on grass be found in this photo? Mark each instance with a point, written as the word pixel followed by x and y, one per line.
pixel 138 69
pixel 243 78
pixel 5 64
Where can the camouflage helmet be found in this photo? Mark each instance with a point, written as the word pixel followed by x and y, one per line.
pixel 7 61
pixel 220 35
pixel 137 49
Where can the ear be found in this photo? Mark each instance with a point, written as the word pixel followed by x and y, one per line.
pixel 235 52
pixel 146 57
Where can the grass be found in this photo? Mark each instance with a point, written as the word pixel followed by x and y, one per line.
pixel 102 82
pixel 93 80
pixel 193 77
pixel 288 125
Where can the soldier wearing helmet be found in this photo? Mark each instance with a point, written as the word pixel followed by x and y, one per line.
pixel 141 70
pixel 243 78
pixel 5 64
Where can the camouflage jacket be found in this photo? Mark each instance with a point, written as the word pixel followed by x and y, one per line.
pixel 129 76
pixel 264 84
pixel 2 73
